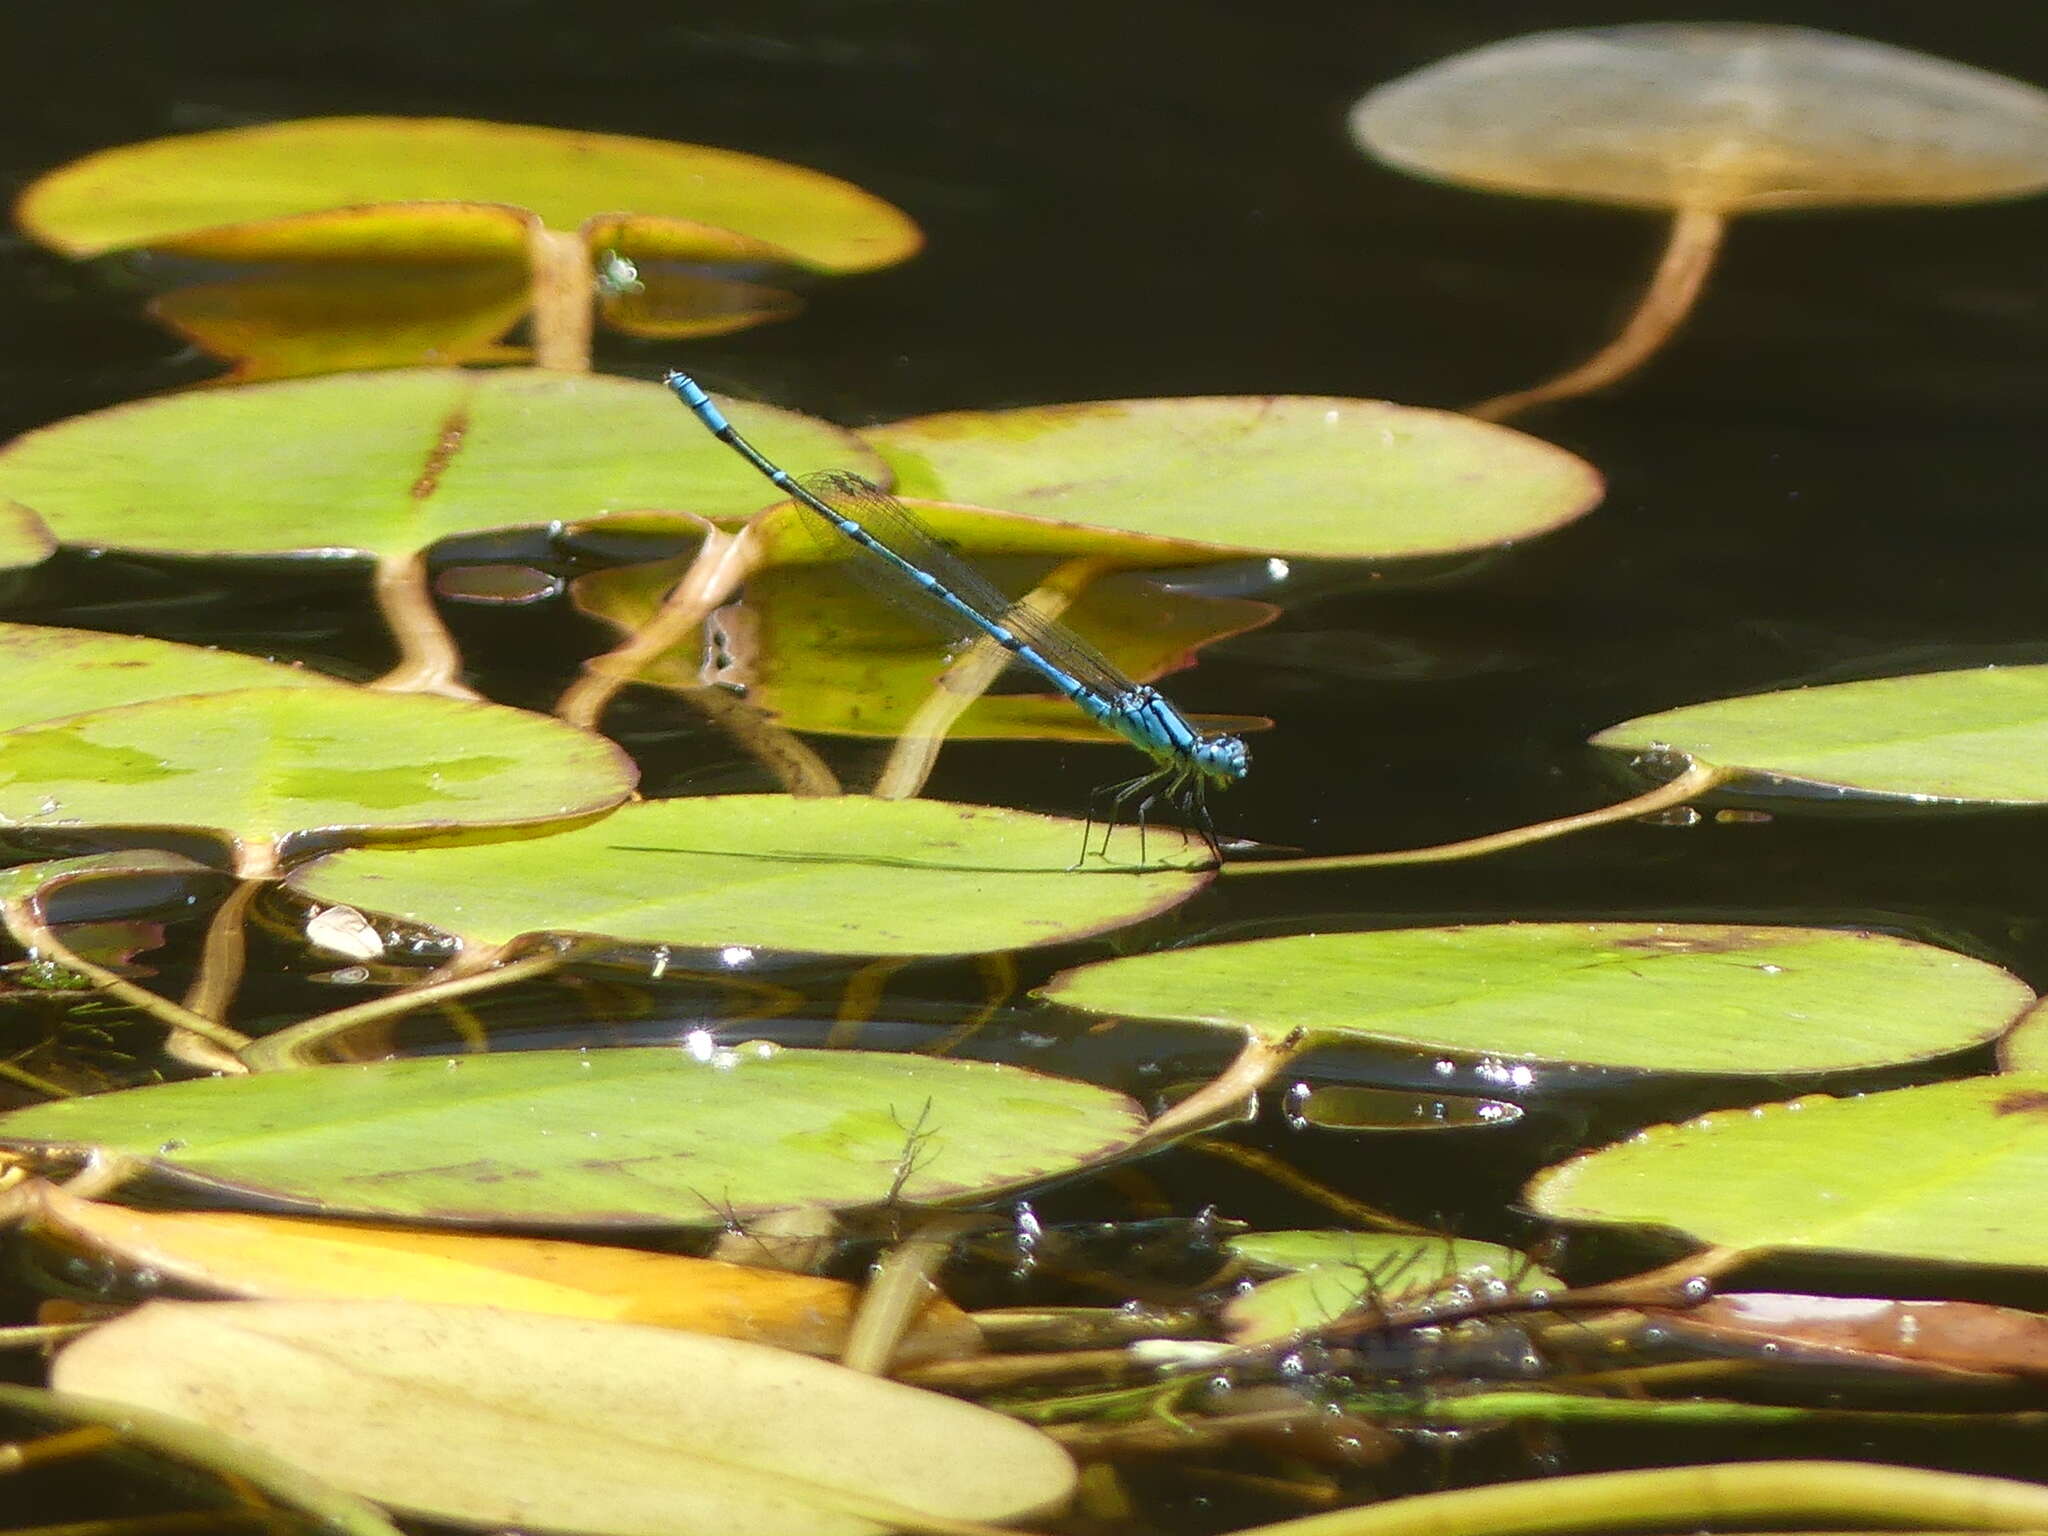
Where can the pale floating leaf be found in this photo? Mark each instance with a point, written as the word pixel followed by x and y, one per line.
pixel 489 1418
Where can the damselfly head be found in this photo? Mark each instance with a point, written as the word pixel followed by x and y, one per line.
pixel 1224 760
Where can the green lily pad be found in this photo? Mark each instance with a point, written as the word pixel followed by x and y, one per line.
pixel 844 876
pixel 647 1136
pixel 1973 736
pixel 1947 1173
pixel 384 464
pixel 1276 474
pixel 155 192
pixel 24 541
pixel 52 672
pixel 820 652
pixel 1331 1273
pixel 275 767
pixel 1664 997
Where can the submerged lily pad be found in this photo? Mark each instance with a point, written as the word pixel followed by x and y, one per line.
pixel 53 672
pixel 1664 997
pixel 845 875
pixel 1973 736
pixel 1946 1173
pixel 641 1137
pixel 337 316
pixel 388 463
pixel 1276 474
pixel 1331 1273
pixel 153 193
pixel 820 652
pixel 274 767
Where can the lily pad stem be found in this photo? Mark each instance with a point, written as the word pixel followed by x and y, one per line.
pixel 1356 1212
pixel 428 659
pixel 723 562
pixel 916 751
pixel 1771 1494
pixel 1688 256
pixel 1697 780
pixel 28 929
pixel 900 1287
pixel 297 1045
pixel 63 1444
pixel 1230 1096
pixel 564 283
pixel 221 959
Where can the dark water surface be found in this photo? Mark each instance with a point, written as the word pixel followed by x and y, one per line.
pixel 1835 472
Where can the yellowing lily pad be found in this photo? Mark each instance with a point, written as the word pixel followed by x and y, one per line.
pixel 1946 1173
pixel 387 463
pixel 1279 474
pixel 1973 736
pixel 271 768
pixel 282 1258
pixel 845 876
pixel 1665 997
pixel 642 1137
pixel 156 192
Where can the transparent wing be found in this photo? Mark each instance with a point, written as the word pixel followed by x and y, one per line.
pixel 897 529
